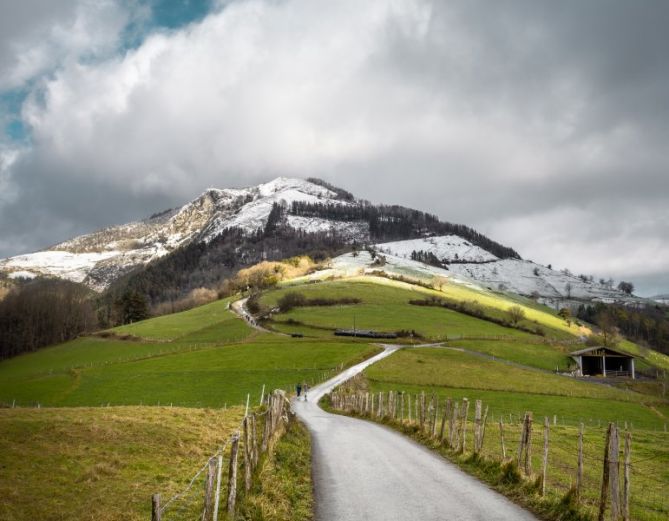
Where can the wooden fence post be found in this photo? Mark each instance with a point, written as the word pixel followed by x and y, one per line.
pixel 232 475
pixel 217 497
pixel 247 454
pixel 453 427
pixel 433 420
pixel 409 407
pixel 626 477
pixel 545 459
pixel 614 481
pixel 266 432
pixel 525 445
pixel 444 419
pixel 402 408
pixel 421 415
pixel 484 422
pixel 463 425
pixel 501 436
pixel 603 497
pixel 155 507
pixel 254 441
pixel 208 509
pixel 477 424
pixel 579 466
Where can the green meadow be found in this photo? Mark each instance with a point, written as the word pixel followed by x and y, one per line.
pixel 218 364
pixel 196 368
pixel 102 463
pixel 383 308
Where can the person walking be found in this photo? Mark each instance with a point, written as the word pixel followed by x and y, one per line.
pixel 306 388
pixel 299 390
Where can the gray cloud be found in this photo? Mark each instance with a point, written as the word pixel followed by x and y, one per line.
pixel 542 123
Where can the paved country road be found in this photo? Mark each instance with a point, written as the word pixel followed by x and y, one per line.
pixel 364 471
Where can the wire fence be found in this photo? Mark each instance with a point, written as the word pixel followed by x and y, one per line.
pixel 623 479
pixel 212 491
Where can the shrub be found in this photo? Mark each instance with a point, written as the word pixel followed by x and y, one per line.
pixel 291 300
pixel 516 314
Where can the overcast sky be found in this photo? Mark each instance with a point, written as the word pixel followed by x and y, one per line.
pixel 543 124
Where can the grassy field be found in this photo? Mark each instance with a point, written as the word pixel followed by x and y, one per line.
pixel 205 357
pixel 449 367
pixel 532 354
pixel 102 464
pixel 499 302
pixel 213 317
pixel 207 377
pixel 383 308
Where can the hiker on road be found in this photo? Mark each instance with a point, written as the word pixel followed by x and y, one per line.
pixel 299 390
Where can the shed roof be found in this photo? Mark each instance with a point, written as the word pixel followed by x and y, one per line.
pixel 589 350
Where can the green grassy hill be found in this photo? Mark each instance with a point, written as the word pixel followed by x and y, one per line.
pixel 206 357
pixel 511 370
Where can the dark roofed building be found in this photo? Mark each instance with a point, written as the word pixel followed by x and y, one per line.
pixel 603 361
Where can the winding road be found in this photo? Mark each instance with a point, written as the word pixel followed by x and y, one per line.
pixel 365 471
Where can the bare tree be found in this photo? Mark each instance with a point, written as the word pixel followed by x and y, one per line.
pixel 516 314
pixel 568 287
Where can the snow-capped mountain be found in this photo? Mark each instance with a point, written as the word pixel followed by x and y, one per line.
pixel 421 243
pixel 98 258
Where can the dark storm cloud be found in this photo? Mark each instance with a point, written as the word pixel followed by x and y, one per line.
pixel 542 123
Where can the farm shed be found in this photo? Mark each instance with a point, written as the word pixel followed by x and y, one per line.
pixel 366 333
pixel 604 361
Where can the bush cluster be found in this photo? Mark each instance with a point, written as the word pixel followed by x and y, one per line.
pixel 476 310
pixel 293 299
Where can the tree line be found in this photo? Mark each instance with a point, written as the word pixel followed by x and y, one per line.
pixel 647 325
pixel 388 223
pixel 44 312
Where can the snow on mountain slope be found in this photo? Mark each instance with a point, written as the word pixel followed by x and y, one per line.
pixel 448 248
pixel 71 266
pixel 661 299
pixel 99 257
pixel 487 271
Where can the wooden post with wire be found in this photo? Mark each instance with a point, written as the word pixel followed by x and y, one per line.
pixel 247 453
pixel 232 475
pixel 579 466
pixel 217 495
pixel 210 480
pixel 501 436
pixel 626 477
pixel 603 496
pixel 155 507
pixel 614 481
pixel 545 458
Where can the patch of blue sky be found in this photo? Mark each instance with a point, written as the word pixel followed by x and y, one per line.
pixel 13 127
pixel 165 15
pixel 162 15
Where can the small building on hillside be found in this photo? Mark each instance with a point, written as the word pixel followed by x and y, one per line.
pixel 365 333
pixel 603 361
